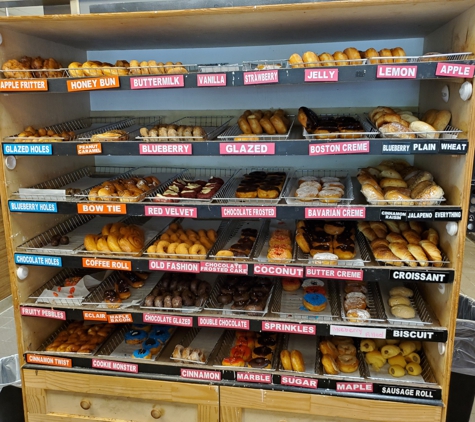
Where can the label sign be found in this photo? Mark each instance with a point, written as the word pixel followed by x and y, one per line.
pixel 119 318
pixel 402 391
pixel 235 324
pixel 42 313
pixel 115 366
pixel 261 77
pixel 256 377
pixel 24 85
pixel 211 79
pixel 321 75
pixel 337 273
pixel 354 387
pixel 107 264
pixel 278 270
pixel 395 147
pixel 412 334
pixel 453 147
pixel 248 212
pixel 198 374
pixel 251 148
pixel 455 70
pixel 177 266
pixel 361 332
pixel 298 382
pixel 89 149
pixel 175 320
pixel 94 316
pixel 224 267
pixel 427 276
pixel 93 84
pixel 420 215
pixel 155 82
pixel 396 72
pixel 27 149
pixel 331 148
pixel 393 215
pixel 447 215
pixel 20 206
pixel 102 208
pixel 335 212
pixel 165 149
pixel 49 360
pixel 287 327
pixel 44 261
pixel 159 211
pixel 425 147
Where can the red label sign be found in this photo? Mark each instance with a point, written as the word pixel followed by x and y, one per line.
pixel 94 316
pixel 354 387
pixel 115 366
pixel 335 212
pixel 102 208
pixel 42 313
pixel 248 212
pixel 455 70
pixel 165 149
pixel 354 331
pixel 251 148
pixel 159 211
pixel 119 318
pixel 337 273
pixel 278 270
pixel 92 84
pixel 89 149
pixel 198 374
pixel 396 72
pixel 155 82
pixel 261 77
pixel 175 320
pixel 211 79
pixel 254 377
pixel 49 360
pixel 177 266
pixel 287 327
pixel 232 323
pixel 298 382
pixel 321 75
pixel 23 85
pixel 333 148
pixel 107 264
pixel 224 267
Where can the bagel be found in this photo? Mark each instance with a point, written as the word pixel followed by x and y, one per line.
pixel 388 118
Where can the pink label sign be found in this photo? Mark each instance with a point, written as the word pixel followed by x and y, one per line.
pixel 224 267
pixel 165 149
pixel 455 70
pixel 287 327
pixel 261 77
pixel 336 273
pixel 321 75
pixel 248 212
pixel 211 79
pixel 330 148
pixel 396 72
pixel 256 377
pixel 115 366
pixel 175 320
pixel 278 270
pixel 336 212
pixel 354 387
pixel 155 82
pixel 43 313
pixel 184 212
pixel 198 374
pixel 299 382
pixel 361 332
pixel 177 266
pixel 235 324
pixel 250 148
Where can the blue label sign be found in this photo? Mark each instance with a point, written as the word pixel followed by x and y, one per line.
pixel 27 149
pixel 42 260
pixel 20 206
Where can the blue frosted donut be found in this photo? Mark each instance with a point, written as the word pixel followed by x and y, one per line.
pixel 142 354
pixel 314 302
pixel 144 327
pixel 151 344
pixel 135 336
pixel 159 334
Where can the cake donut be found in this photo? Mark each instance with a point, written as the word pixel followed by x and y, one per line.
pixel 315 302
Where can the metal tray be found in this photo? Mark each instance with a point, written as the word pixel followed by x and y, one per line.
pixel 368 133
pixel 358 375
pixel 373 301
pixel 234 132
pixel 307 345
pixel 264 64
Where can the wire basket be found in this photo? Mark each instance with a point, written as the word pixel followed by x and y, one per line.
pixel 369 132
pixel 234 133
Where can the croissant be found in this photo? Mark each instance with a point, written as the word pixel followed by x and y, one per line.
pixel 432 252
pixel 396 238
pixel 393 227
pixel 416 226
pixel 419 254
pixel 369 234
pixel 411 236
pixel 431 235
pixel 403 253
pixel 384 253
pixel 378 243
pixel 379 228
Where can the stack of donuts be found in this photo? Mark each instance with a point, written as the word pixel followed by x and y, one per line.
pixel 251 350
pixel 328 190
pixel 349 56
pixel 151 340
pixel 355 303
pixel 121 291
pixel 116 237
pixel 338 355
pixel 123 190
pixel 242 248
pixel 173 133
pixel 396 182
pixel 22 69
pixel 97 68
pixel 195 189
pixel 178 243
pixel 263 122
pixel 31 132
pixel 399 243
pixel 261 184
pixel 151 67
pixel 280 246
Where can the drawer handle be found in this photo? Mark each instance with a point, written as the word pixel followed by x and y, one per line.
pixel 156 413
pixel 85 404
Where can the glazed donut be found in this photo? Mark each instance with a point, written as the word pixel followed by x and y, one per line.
pixel 244 126
pixel 183 249
pixel 278 122
pixel 267 126
pixel 113 243
pixel 198 250
pixel 347 363
pixel 386 52
pixel 224 254
pixel 211 234
pixel 329 365
pixel 285 359
pixel 171 251
pixel 369 54
pixel 90 242
pixel 296 358
pixel 327 58
pixel 328 348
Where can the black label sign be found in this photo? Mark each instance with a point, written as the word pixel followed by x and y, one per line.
pixel 455 215
pixel 401 391
pixel 427 276
pixel 453 147
pixel 393 215
pixel 425 147
pixel 396 147
pixel 422 335
pixel 420 215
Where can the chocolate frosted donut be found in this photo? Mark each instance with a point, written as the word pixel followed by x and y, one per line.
pixel 194 285
pixel 158 301
pixel 149 300
pixel 225 299
pixel 241 297
pixel 259 363
pixel 267 341
pixel 262 351
pixel 177 302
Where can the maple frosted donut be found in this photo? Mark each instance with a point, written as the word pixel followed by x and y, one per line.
pixel 347 363
pixel 197 249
